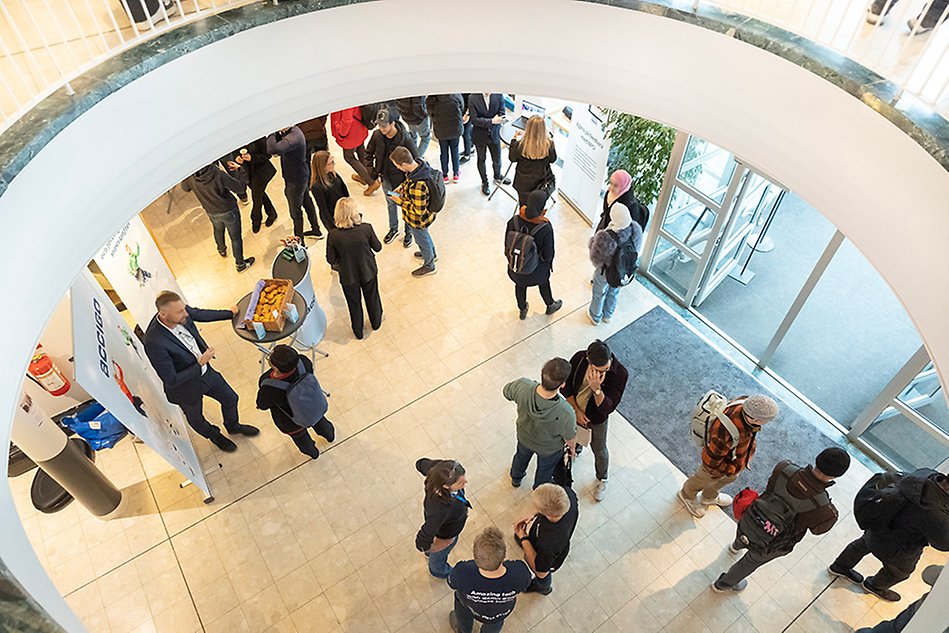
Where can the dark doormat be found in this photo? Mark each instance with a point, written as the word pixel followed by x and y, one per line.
pixel 670 367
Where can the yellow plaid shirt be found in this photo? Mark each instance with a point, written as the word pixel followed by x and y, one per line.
pixel 414 201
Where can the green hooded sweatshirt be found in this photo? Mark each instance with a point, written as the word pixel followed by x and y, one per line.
pixel 543 426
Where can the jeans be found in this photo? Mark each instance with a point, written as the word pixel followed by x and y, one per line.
pixel 449 149
pixel 438 561
pixel 705 482
pixel 214 386
pixel 356 158
pixel 746 565
pixel 544 472
pixel 355 294
pixel 421 135
pixel 603 303
pixel 495 149
pixel 425 244
pixel 230 222
pixel 394 210
pixel 466 619
pixel 324 428
pixel 896 568
pixel 298 201
pixel 466 137
pixel 601 453
pixel 520 294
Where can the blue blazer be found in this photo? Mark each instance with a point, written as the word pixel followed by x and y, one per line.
pixel 175 364
pixel 483 131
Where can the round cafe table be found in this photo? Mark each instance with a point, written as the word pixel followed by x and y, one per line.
pixel 266 344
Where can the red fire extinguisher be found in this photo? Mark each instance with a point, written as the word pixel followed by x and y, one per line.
pixel 47 374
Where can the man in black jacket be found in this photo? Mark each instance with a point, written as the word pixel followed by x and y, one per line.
pixel 255 160
pixel 486 112
pixel 923 519
pixel 182 360
pixel 290 144
pixel 415 114
pixel 389 134
pixel 594 390
pixel 215 189
pixel 897 624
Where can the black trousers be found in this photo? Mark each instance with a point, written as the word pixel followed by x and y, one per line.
pixel 298 201
pixel 520 293
pixel 355 293
pixel 261 201
pixel 897 566
pixel 305 442
pixel 213 386
pixel 495 149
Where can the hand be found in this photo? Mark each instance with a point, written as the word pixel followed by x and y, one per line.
pixel 520 529
pixel 582 419
pixel 519 134
pixel 439 544
pixel 234 310
pixel 595 378
pixel 206 357
pixel 231 165
pixel 465 117
pixel 497 119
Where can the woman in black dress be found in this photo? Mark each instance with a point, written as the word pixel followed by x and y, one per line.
pixel 533 153
pixel 327 187
pixel 350 249
pixel 530 219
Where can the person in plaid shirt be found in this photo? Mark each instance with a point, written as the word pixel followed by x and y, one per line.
pixel 413 196
pixel 722 458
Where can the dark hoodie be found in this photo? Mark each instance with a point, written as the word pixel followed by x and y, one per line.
pixel 378 150
pixel 412 109
pixel 215 188
pixel 923 521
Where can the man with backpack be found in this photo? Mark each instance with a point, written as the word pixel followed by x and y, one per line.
pixel 728 444
pixel 389 135
pixel 795 501
pixel 295 399
pixel 900 514
pixel 529 249
pixel 421 195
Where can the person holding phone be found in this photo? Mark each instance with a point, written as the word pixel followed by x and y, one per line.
pixel 487 114
pixel 446 511
pixel 545 535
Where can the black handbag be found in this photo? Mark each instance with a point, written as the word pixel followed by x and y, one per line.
pixel 563 471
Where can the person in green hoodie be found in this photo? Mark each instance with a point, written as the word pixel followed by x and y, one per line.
pixel 545 422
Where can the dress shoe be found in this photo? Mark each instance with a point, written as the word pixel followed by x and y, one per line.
pixel 371 189
pixel 270 220
pixel 244 429
pixel 485 189
pixel 553 307
pixel 224 443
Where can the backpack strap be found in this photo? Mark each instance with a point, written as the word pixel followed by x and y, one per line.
pixel 521 225
pixel 283 385
pixel 730 427
pixel 781 489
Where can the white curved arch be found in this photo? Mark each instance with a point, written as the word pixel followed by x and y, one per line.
pixel 878 186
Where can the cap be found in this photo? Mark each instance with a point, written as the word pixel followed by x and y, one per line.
pixel 761 408
pixel 833 461
pixel 384 117
pixel 535 204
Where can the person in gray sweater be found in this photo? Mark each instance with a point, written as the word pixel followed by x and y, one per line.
pixel 215 190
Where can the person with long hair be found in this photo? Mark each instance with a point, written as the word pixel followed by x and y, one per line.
pixel 531 219
pixel 446 510
pixel 351 250
pixel 327 187
pixel 533 153
pixel 350 133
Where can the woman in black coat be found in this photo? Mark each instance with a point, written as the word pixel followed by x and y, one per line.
pixel 530 219
pixel 260 171
pixel 447 112
pixel 533 153
pixel 351 249
pixel 327 187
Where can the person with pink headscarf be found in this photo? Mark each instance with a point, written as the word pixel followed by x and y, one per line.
pixel 619 191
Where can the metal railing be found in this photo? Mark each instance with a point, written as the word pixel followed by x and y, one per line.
pixel 46 43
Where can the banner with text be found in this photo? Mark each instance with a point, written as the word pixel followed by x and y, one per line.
pixel 132 263
pixel 584 166
pixel 111 365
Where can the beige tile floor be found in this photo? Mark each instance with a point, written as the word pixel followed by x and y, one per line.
pixel 291 544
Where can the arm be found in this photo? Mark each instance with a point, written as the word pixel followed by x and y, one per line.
pixel 475 115
pixel 170 377
pixel 425 539
pixel 374 242
pixel 569 390
pixel 419 107
pixel 207 316
pixel 547 252
pixel 552 154
pixel 284 145
pixel 510 390
pixel 332 255
pixel 371 151
pixel 319 194
pixel 514 151
pixel 826 520
pixel 236 184
pixel 345 122
pixel 612 392
pixel 272 144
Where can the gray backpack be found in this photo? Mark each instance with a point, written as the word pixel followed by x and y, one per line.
pixel 307 401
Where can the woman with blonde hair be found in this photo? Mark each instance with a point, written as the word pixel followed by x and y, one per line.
pixel 533 153
pixel 351 249
pixel 326 186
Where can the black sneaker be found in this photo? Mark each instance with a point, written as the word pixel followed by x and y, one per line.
pixel 222 252
pixel 719 587
pixel 847 574
pixel 464 158
pixel 423 270
pixel 391 235
pixel 534 588
pixel 407 241
pixel 418 255
pixel 314 454
pixel 884 594
pixel 502 181
pixel 244 429
pixel 244 265
pixel 516 483
pixel 485 189
pixel 553 307
pixel 224 444
pixel 523 314
pixel 313 233
pixel 270 220
pixel 255 228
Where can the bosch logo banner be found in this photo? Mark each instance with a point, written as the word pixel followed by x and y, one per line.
pixel 100 339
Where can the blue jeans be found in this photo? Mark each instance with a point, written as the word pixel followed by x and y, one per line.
pixel 230 222
pixel 438 561
pixel 603 304
pixel 545 465
pixel 421 134
pixel 394 211
pixel 466 136
pixel 425 245
pixel 449 149
pixel 466 619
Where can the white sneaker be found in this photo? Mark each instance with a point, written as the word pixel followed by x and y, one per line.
pixel 606 319
pixel 874 18
pixel 590 318
pixel 917 27
pixel 722 501
pixel 600 491
pixel 695 509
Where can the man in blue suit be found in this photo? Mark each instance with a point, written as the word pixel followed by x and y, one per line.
pixel 486 112
pixel 182 359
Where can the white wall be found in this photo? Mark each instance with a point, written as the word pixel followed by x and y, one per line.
pixel 872 181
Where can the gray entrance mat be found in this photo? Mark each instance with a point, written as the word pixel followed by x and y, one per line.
pixel 670 367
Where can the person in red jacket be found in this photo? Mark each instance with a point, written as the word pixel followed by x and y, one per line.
pixel 350 134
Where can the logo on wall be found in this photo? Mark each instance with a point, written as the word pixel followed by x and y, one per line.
pixel 135 268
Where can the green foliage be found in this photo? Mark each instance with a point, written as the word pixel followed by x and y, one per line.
pixel 642 147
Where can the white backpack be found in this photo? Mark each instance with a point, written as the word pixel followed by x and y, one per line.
pixel 712 405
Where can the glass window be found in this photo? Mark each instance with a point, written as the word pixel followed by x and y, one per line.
pixel 707 168
pixel 688 220
pixel 672 266
pixel 904 443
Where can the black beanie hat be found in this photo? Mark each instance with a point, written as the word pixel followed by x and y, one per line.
pixel 833 462
pixel 535 204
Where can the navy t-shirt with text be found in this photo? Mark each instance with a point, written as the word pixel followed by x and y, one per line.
pixel 490 599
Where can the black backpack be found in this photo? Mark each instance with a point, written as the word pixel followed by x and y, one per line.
pixel 767 524
pixel 622 267
pixel 878 502
pixel 436 191
pixel 521 249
